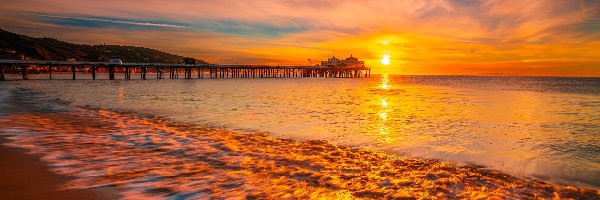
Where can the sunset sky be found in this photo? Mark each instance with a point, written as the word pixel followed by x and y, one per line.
pixel 470 37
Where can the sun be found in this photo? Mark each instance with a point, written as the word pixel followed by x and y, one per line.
pixel 385 60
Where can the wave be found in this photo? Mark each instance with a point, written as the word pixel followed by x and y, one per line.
pixel 147 156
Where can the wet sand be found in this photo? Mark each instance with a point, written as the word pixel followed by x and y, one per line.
pixel 154 158
pixel 25 176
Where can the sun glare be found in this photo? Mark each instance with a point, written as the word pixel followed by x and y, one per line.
pixel 385 83
pixel 385 60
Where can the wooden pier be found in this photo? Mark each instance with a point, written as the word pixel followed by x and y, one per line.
pixel 212 70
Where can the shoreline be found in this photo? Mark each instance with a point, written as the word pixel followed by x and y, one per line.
pixel 26 176
pixel 224 164
pixel 148 156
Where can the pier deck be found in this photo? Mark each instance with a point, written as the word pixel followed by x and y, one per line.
pixel 213 70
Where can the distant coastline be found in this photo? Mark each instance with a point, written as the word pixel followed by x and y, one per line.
pixel 16 47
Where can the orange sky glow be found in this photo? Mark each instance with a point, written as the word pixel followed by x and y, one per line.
pixel 454 37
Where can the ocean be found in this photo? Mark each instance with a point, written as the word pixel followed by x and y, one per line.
pixel 312 137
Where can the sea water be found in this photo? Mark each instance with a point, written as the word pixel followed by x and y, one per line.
pixel 545 128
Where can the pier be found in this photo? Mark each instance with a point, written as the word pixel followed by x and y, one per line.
pixel 211 70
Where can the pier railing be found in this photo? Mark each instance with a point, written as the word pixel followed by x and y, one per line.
pixel 214 70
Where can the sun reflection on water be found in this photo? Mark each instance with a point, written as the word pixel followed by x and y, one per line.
pixel 385 82
pixel 383 115
pixel 384 134
pixel 384 102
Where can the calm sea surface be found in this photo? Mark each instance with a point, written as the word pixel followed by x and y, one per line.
pixel 532 127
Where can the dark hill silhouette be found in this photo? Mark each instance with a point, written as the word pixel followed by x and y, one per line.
pixel 15 46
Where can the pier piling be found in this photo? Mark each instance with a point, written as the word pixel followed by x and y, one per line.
pixel 144 70
pixel 73 70
pixel 24 72
pixel 94 72
pixel 111 72
pixel 187 73
pixel 159 73
pixel 126 73
pixel 2 72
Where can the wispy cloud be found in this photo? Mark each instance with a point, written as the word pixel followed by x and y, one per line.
pixel 232 27
pixel 109 21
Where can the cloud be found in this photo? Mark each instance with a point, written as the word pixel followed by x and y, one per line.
pixel 108 21
pixel 421 33
pixel 247 28
pixel 221 26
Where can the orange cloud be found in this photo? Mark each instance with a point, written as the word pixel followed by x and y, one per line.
pixel 418 36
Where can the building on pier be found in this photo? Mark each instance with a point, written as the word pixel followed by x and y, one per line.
pixel 348 62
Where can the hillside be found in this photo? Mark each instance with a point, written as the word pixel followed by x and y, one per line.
pixel 15 46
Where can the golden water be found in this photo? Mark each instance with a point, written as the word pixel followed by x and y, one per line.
pixel 154 158
pixel 360 137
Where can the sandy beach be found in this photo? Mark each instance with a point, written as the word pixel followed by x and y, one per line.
pixel 153 158
pixel 25 176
